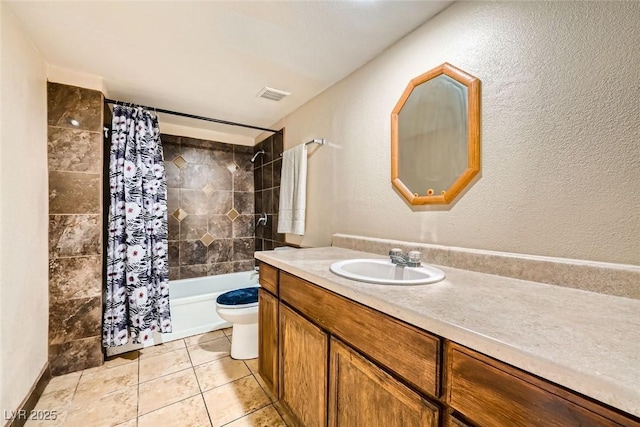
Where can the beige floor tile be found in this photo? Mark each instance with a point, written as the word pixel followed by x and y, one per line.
pixel 62 382
pixel 227 331
pixel 265 417
pixel 164 364
pixel 234 400
pixel 202 338
pixel 108 411
pixel 166 390
pixel 56 400
pixel 209 351
pixel 222 371
pixel 161 348
pixel 115 361
pixel 96 384
pixel 186 413
pixel 252 364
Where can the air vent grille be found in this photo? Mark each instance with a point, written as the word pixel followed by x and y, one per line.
pixel 272 94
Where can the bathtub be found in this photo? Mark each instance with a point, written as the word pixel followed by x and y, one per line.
pixel 193 307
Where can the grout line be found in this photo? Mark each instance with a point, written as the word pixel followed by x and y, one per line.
pixel 177 401
pixel 98 174
pixel 165 406
pixel 162 376
pixel 248 413
pixel 206 408
pixel 224 384
pixel 76 129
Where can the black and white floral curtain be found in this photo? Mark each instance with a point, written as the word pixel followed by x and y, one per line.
pixel 137 293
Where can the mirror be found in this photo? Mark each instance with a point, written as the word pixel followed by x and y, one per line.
pixel 435 136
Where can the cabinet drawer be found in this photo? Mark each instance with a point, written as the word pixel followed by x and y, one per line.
pixel 492 393
pixel 410 353
pixel 269 278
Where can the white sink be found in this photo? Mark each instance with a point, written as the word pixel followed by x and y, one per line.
pixel 383 272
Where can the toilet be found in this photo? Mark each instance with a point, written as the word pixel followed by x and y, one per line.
pixel 240 307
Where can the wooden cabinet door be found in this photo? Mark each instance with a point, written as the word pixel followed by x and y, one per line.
pixel 363 395
pixel 303 384
pixel 268 339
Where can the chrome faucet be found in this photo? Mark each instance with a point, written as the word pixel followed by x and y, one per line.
pixel 412 259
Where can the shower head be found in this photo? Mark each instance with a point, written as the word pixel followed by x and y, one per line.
pixel 253 159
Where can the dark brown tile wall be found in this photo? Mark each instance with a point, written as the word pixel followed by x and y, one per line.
pixel 75 228
pixel 210 204
pixel 266 181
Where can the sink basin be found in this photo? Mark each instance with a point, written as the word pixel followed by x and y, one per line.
pixel 383 272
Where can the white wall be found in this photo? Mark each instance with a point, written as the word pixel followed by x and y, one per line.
pixel 560 134
pixel 24 301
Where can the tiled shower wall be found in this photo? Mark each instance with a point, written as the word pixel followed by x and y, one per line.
pixel 266 179
pixel 210 201
pixel 75 228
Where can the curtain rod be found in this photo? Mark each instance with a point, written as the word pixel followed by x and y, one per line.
pixel 191 116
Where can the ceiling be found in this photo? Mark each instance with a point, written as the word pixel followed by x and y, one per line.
pixel 211 58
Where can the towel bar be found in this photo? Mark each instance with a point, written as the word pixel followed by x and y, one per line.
pixel 319 141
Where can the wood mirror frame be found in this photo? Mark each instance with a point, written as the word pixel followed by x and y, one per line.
pixel 472 85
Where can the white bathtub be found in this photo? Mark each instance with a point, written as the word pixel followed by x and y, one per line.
pixel 193 306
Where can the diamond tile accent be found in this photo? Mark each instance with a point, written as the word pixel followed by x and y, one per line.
pixel 179 214
pixel 179 161
pixel 233 166
pixel 208 189
pixel 207 239
pixel 233 214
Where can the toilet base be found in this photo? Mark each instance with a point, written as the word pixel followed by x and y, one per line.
pixel 244 341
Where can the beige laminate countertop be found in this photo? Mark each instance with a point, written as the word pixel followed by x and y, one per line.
pixel 584 341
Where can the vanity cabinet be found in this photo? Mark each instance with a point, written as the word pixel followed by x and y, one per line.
pixel 362 394
pixel 338 363
pixel 408 352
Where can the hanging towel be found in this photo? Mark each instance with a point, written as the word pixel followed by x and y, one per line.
pixel 293 191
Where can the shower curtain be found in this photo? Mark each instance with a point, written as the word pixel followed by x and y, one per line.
pixel 137 291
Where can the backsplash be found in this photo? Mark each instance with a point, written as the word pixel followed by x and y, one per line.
pixel 266 175
pixel 210 207
pixel 605 278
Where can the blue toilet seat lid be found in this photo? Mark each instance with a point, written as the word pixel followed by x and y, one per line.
pixel 238 297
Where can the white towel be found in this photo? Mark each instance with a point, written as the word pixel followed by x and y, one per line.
pixel 293 191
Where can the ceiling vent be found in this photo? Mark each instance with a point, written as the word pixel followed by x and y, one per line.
pixel 272 94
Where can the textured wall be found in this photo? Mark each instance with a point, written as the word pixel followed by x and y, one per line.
pixel 266 181
pixel 560 130
pixel 75 228
pixel 23 214
pixel 210 205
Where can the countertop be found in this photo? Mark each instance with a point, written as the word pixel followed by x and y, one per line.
pixel 585 341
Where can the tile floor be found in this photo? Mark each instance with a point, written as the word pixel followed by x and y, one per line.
pixel 188 382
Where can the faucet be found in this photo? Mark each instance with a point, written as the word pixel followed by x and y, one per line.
pixel 262 220
pixel 412 259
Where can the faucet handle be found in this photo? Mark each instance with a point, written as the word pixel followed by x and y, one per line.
pixel 414 257
pixel 395 252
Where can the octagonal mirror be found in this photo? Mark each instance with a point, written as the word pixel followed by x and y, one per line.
pixel 435 136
